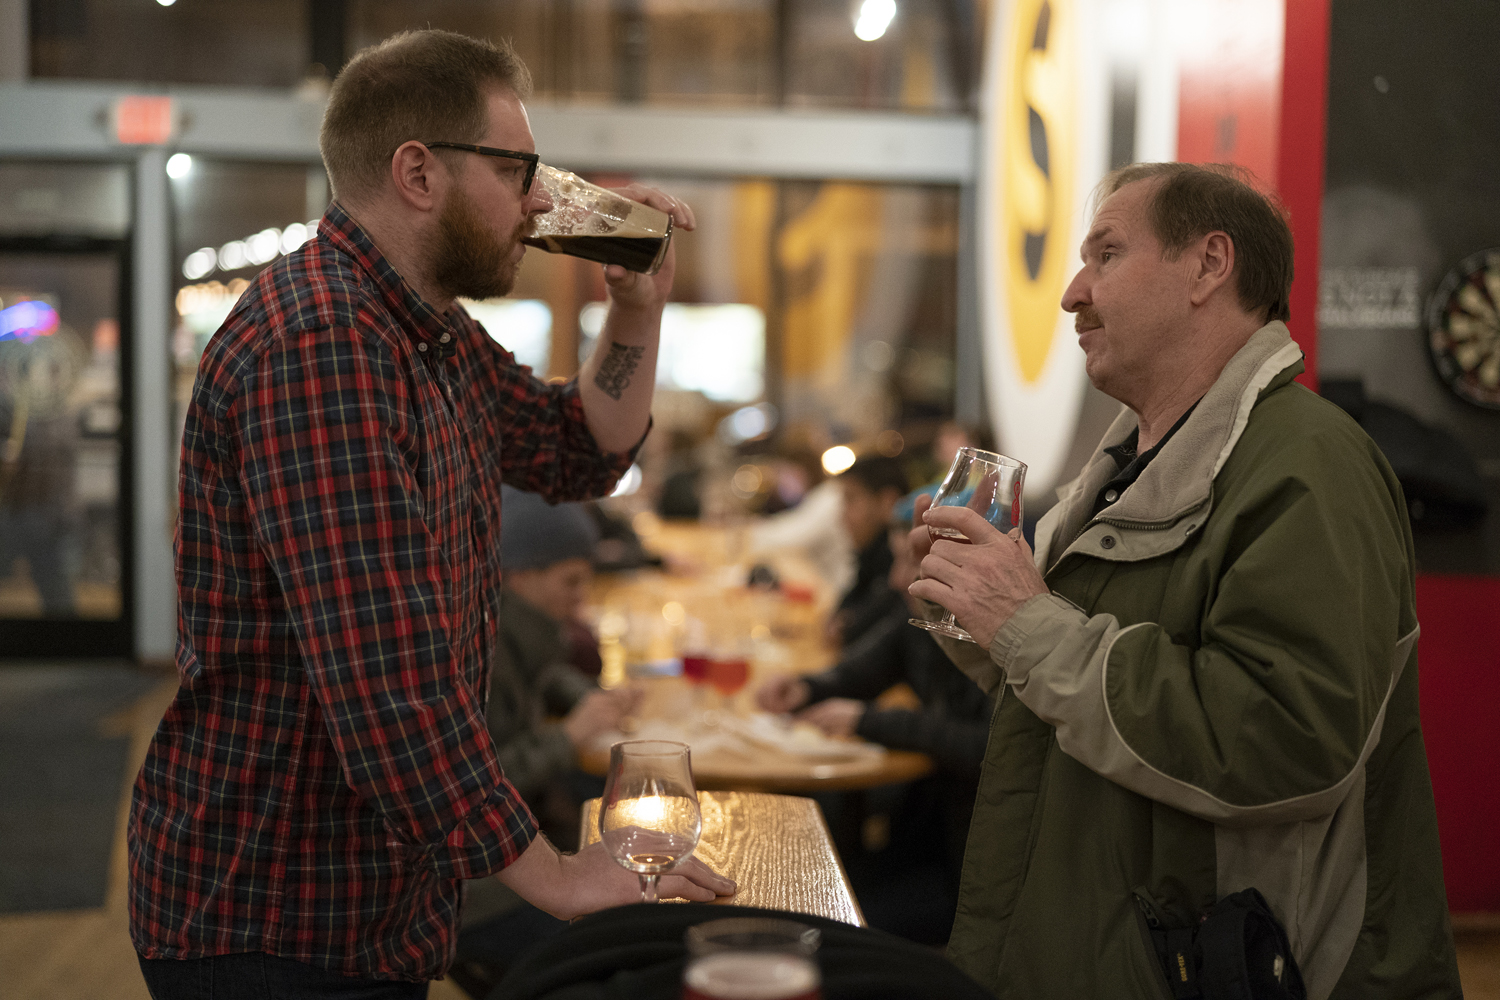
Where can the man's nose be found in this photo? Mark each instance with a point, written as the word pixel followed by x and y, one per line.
pixel 1075 297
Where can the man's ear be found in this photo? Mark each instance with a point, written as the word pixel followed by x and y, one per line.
pixel 419 176
pixel 1213 265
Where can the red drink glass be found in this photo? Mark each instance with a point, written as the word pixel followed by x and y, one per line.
pixel 728 676
pixel 695 667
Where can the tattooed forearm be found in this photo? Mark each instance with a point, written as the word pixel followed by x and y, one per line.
pixel 617 367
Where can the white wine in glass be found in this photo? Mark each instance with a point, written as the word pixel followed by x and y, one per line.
pixel 991 486
pixel 649 819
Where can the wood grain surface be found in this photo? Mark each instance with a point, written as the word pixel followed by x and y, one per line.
pixel 775 847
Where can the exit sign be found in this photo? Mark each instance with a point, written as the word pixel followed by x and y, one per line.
pixel 141 120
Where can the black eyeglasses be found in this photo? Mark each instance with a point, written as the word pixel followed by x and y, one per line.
pixel 530 159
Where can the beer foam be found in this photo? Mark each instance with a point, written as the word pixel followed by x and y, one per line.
pixel 751 975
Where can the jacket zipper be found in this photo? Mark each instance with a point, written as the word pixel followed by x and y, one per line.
pixel 1130 525
pixel 1148 908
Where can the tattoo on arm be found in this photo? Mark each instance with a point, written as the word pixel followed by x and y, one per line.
pixel 617 367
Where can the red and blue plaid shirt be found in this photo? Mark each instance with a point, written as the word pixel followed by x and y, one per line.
pixel 324 778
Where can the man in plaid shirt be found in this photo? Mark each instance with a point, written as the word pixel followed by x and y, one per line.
pixel 324 779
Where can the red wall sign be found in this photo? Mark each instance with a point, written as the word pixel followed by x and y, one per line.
pixel 141 120
pixel 1253 89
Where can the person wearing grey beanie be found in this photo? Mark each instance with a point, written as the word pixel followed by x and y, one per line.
pixel 535 534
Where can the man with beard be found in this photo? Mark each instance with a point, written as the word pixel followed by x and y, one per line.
pixel 324 779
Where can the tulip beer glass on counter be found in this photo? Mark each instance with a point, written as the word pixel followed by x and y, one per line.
pixel 649 818
pixel 596 224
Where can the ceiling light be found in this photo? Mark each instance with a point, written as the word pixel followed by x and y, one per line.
pixel 874 17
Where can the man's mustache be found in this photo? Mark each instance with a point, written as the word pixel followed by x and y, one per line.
pixel 1086 319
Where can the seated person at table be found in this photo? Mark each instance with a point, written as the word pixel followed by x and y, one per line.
pixel 932 819
pixel 541 711
pixel 871 487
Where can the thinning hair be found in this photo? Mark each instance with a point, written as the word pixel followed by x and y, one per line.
pixel 422 85
pixel 1191 200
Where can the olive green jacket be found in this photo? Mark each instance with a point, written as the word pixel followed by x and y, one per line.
pixel 1219 692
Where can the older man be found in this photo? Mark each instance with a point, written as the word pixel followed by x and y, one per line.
pixel 324 779
pixel 1212 655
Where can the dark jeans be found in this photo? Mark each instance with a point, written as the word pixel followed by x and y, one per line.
pixel 253 976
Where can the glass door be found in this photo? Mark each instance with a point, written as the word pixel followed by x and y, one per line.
pixel 64 468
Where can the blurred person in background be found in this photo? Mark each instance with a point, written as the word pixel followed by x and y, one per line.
pixel 324 780
pixel 542 711
pixel 682 478
pixel 951 435
pixel 869 490
pixel 909 885
pixel 812 522
pixel 39 514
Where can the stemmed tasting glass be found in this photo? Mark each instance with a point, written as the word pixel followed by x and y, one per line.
pixel 990 485
pixel 649 819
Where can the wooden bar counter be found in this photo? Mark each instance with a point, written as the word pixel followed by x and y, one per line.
pixel 776 848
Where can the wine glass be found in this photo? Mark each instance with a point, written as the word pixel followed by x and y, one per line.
pixel 988 484
pixel 728 673
pixel 649 819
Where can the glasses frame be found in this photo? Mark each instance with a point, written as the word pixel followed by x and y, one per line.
pixel 530 159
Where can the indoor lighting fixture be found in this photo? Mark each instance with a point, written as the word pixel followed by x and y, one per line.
pixel 166 3
pixel 874 17
pixel 200 263
pixel 629 483
pixel 837 459
pixel 27 320
pixel 179 165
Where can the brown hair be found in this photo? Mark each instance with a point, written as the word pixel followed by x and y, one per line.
pixel 1192 200
pixel 422 85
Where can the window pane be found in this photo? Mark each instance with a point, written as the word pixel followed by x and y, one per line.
pixel 253 43
pixel 857 284
pixel 919 63
pixel 708 52
pixel 868 313
pixel 232 219
pixel 76 199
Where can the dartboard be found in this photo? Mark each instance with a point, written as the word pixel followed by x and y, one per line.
pixel 1463 329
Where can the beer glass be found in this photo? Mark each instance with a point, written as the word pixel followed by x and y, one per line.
pixel 988 484
pixel 751 958
pixel 649 819
pixel 596 224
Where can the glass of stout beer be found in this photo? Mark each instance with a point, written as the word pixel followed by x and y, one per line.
pixel 751 958
pixel 988 484
pixel 591 222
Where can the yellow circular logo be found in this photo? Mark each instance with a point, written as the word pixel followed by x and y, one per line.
pixel 1039 160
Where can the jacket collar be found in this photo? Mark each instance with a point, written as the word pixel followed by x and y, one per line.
pixel 1179 481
